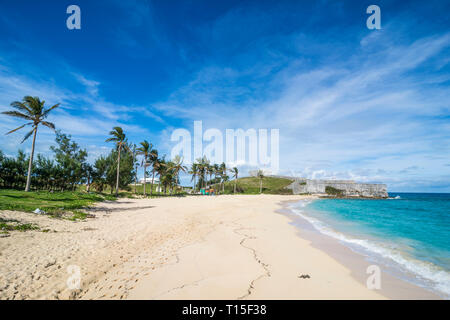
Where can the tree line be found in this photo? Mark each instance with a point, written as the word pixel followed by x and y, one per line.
pixel 117 170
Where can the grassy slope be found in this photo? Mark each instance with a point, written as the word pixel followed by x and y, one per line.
pixel 250 185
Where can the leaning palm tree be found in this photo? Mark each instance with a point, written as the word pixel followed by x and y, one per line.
pixel 260 175
pixel 145 150
pixel 31 109
pixel 234 171
pixel 119 138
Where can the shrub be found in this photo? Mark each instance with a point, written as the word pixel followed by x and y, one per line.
pixel 333 191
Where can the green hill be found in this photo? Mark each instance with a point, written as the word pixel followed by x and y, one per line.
pixel 250 185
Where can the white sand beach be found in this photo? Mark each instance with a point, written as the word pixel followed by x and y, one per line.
pixel 223 247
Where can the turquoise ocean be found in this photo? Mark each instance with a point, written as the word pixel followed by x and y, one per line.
pixel 408 233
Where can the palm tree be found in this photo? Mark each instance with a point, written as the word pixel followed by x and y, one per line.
pixel 260 175
pixel 31 109
pixel 168 178
pixel 223 175
pixel 194 173
pixel 134 153
pixel 202 164
pixel 145 150
pixel 159 165
pixel 235 172
pixel 153 158
pixel 210 172
pixel 216 168
pixel 177 167
pixel 117 136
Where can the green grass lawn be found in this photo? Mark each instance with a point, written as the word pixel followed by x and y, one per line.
pixel 52 203
pixel 250 185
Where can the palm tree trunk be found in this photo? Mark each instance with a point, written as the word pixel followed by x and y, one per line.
pixel 260 186
pixel 118 171
pixel 235 181
pixel 27 187
pixel 145 181
pixel 88 187
pixel 151 185
pixel 135 180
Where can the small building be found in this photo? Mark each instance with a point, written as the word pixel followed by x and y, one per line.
pixel 149 180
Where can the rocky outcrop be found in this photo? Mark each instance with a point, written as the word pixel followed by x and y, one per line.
pixel 347 188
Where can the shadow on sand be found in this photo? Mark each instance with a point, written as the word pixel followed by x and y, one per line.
pixel 109 210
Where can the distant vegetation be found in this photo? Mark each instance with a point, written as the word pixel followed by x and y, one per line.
pixel 333 191
pixel 66 181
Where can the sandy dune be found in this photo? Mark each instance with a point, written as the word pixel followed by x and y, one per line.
pixel 225 247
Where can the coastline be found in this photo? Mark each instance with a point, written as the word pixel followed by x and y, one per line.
pixel 392 286
pixel 224 247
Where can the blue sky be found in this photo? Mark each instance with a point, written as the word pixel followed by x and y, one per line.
pixel 350 103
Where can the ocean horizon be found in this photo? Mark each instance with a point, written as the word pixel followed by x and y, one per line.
pixel 407 234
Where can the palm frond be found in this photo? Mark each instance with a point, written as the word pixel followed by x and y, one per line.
pixel 48 125
pixel 18 114
pixel 18 128
pixel 47 111
pixel 117 135
pixel 28 135
pixel 144 149
pixel 125 146
pixel 34 103
pixel 21 106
